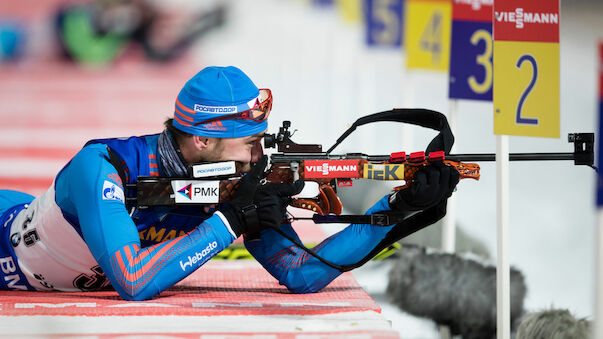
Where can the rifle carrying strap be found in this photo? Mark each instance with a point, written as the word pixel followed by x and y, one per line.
pixel 442 142
pixel 415 116
pixel 404 228
pixel 386 218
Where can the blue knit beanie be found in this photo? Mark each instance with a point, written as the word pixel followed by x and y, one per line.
pixel 213 92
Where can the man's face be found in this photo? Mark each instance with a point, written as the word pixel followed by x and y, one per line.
pixel 244 151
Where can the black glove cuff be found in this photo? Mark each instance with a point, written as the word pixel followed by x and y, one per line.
pixel 242 220
pixel 235 219
pixel 250 215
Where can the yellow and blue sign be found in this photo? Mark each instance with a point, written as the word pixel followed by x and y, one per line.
pixel 471 69
pixel 384 22
pixel 383 171
pixel 526 68
pixel 427 34
pixel 350 10
pixel 326 3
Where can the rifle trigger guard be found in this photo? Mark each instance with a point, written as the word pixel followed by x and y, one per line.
pixel 321 204
pixel 308 204
pixel 335 205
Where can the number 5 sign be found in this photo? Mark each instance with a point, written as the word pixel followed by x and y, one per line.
pixel 384 22
pixel 526 68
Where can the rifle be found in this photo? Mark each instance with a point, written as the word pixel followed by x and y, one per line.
pixel 329 171
pixel 322 170
pixel 215 183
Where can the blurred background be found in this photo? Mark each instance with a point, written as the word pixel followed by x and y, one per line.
pixel 61 86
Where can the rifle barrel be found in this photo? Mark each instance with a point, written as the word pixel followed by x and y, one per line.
pixel 512 156
pixel 456 157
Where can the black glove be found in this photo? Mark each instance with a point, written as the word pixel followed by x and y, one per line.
pixel 432 184
pixel 256 205
pixel 281 190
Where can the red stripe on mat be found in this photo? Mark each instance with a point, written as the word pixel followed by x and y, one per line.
pixel 32 186
pixel 38 152
pixel 218 288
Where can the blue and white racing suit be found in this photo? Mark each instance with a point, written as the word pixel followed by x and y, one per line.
pixel 80 236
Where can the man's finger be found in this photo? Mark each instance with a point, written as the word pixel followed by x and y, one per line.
pixel 287 190
pixel 257 171
pixel 433 177
pixel 454 178
pixel 283 190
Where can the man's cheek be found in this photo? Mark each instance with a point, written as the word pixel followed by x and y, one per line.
pixel 257 151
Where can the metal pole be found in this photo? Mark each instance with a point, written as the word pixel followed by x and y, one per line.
pixel 503 295
pixel 598 323
pixel 448 226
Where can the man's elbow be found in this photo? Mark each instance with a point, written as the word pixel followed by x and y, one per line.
pixel 298 284
pixel 133 295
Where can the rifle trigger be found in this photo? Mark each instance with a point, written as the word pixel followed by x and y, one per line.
pixel 295 169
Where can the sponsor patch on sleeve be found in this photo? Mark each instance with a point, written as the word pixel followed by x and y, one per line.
pixel 112 192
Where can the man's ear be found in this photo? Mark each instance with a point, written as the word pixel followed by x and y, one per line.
pixel 201 143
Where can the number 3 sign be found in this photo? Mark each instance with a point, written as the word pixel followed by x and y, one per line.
pixel 526 68
pixel 471 70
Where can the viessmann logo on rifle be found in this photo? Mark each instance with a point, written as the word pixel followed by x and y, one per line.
pixel 196 192
pixel 331 169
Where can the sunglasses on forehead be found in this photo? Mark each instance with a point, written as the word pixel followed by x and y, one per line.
pixel 259 112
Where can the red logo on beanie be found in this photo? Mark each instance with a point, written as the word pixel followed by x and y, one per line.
pixel 214 126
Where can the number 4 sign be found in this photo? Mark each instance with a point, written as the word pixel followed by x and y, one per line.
pixel 427 34
pixel 526 68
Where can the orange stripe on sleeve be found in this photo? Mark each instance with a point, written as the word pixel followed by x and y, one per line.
pixel 131 277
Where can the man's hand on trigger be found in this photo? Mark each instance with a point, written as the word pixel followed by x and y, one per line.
pixel 432 184
pixel 241 212
pixel 258 205
pixel 273 199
